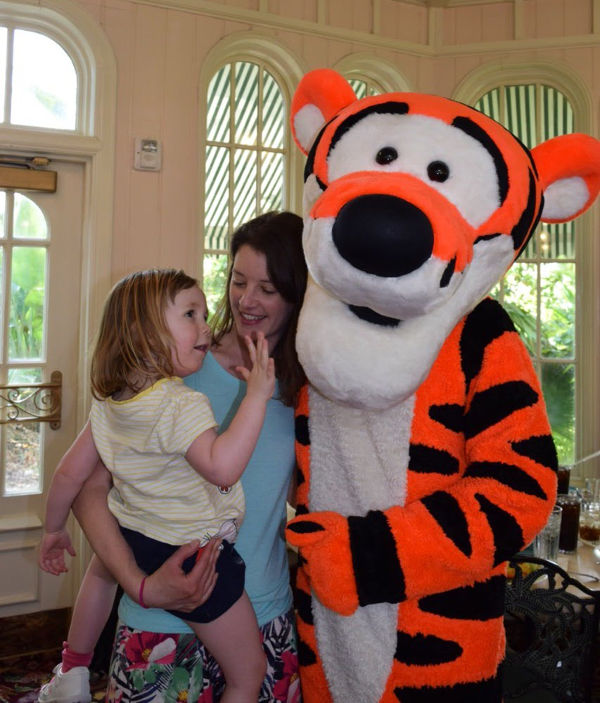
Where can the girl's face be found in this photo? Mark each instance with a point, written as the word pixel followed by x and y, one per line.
pixel 256 304
pixel 186 321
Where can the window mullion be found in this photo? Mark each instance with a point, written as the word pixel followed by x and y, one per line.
pixel 259 140
pixel 8 75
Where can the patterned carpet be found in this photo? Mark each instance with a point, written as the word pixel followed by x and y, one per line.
pixel 22 676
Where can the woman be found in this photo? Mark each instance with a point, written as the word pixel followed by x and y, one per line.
pixel 155 654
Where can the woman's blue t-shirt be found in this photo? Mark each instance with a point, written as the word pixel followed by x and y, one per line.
pixel 265 481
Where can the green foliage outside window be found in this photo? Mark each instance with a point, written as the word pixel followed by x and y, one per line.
pixel 27 293
pixel 214 279
pixel 556 339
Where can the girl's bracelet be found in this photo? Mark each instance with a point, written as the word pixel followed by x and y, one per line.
pixel 141 593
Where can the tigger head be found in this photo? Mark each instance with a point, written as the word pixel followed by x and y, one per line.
pixel 415 206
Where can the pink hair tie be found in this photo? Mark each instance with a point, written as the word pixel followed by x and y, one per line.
pixel 141 593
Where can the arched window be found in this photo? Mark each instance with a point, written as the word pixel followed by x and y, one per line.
pixel 364 87
pixel 370 75
pixel 539 291
pixel 246 153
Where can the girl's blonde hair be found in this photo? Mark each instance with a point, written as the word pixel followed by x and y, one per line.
pixel 133 343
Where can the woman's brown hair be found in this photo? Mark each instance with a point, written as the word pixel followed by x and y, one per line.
pixel 277 235
pixel 133 342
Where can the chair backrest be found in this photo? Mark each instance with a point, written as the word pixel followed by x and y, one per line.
pixel 551 623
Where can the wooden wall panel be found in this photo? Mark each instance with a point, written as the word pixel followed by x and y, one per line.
pixel 497 23
pixel 550 18
pixel 305 10
pixel 178 232
pixel 405 22
pixel 118 20
pixel 476 23
pixel 352 14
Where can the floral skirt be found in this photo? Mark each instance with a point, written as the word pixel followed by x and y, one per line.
pixel 176 668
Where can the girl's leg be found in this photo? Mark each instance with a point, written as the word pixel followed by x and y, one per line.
pixel 234 641
pixel 92 608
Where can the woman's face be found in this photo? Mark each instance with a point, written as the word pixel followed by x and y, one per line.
pixel 256 304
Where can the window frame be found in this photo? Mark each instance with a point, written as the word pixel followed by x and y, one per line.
pixel 373 70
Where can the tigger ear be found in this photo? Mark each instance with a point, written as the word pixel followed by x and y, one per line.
pixel 569 171
pixel 320 95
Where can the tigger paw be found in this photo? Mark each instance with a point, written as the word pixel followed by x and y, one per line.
pixel 324 542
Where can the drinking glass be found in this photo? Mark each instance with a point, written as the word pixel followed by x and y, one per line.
pixel 564 478
pixel 589 523
pixel 545 545
pixel 569 524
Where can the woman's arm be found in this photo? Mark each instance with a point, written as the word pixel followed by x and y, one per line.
pixel 222 458
pixel 169 587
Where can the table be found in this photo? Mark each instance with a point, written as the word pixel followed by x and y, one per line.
pixel 583 564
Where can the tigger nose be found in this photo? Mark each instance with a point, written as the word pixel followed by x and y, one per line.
pixel 383 235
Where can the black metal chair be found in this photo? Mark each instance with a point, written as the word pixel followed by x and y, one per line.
pixel 551 623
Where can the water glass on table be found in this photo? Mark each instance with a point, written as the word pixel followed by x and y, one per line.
pixel 545 545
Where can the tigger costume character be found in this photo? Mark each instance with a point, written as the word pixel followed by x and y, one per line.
pixel 425 454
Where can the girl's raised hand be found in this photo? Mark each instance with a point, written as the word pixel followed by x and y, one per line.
pixel 261 377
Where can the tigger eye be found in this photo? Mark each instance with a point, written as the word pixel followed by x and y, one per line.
pixel 386 155
pixel 438 171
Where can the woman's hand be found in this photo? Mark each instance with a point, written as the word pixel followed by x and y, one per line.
pixel 169 587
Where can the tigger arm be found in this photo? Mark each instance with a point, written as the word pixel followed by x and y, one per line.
pixel 461 533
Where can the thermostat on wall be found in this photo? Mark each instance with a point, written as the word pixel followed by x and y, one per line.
pixel 148 154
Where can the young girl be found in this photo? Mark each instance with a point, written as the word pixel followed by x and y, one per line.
pixel 175 479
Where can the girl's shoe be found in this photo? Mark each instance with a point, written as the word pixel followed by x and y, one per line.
pixel 70 687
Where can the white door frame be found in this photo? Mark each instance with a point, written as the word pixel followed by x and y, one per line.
pixel 94 145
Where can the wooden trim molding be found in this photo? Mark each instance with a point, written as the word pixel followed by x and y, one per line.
pixel 432 49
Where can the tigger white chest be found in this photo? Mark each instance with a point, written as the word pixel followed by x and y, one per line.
pixel 359 463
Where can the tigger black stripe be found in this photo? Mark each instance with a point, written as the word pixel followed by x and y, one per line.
pixel 306 527
pixel 450 416
pixel 429 460
pixel 306 656
pixel 508 536
pixel 310 159
pixel 471 128
pixel 527 223
pixel 384 108
pixel 497 403
pixel 481 601
pixel 302 601
pixel 378 574
pixel 301 430
pixel 446 511
pixel 508 475
pixel 486 322
pixel 425 650
pixel 540 448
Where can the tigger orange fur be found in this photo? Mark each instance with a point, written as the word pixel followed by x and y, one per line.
pixel 425 455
